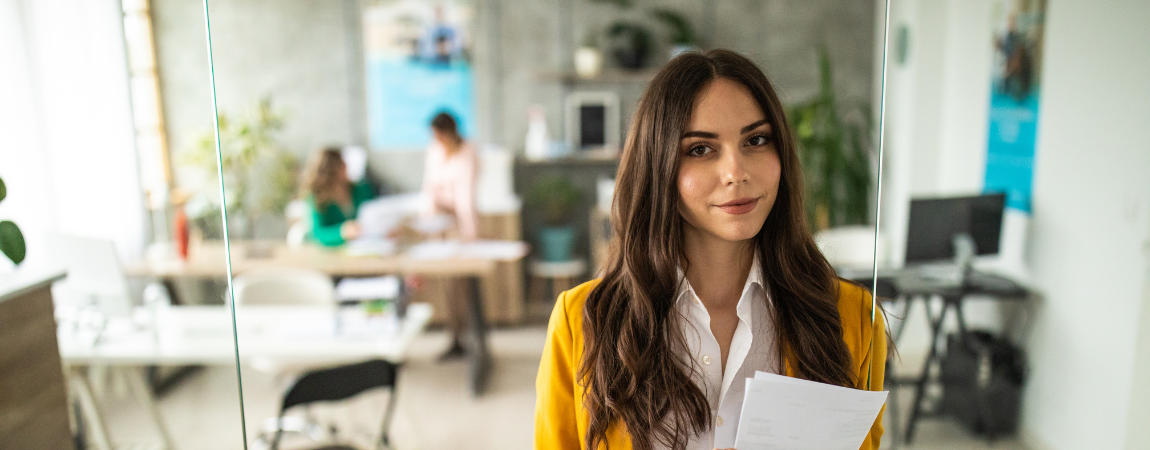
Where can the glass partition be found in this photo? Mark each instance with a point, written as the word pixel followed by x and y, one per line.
pixel 1004 176
pixel 111 231
pixel 351 131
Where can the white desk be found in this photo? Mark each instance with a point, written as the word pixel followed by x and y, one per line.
pixel 202 335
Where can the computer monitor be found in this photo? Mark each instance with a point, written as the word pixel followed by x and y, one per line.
pixel 934 223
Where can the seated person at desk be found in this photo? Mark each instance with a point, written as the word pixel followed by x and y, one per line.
pixel 333 198
pixel 449 188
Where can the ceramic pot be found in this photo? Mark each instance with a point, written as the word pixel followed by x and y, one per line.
pixel 588 62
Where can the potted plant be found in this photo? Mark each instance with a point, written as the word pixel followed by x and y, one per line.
pixel 259 177
pixel 835 153
pixel 588 58
pixel 682 35
pixel 11 239
pixel 555 198
pixel 630 44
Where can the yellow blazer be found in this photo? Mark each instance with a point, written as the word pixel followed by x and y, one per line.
pixel 561 421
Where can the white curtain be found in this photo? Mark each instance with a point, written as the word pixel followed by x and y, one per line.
pixel 67 152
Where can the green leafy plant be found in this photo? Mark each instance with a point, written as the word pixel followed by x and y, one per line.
pixel 834 147
pixel 555 197
pixel 259 177
pixel 681 31
pixel 11 239
pixel 630 43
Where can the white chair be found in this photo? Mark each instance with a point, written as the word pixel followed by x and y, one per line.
pixel 851 247
pixel 95 277
pixel 283 286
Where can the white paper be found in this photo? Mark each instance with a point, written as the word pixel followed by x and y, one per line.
pixel 379 216
pixel 494 249
pixel 367 288
pixel 434 250
pixel 792 414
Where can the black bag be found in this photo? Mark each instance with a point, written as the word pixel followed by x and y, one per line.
pixel 982 377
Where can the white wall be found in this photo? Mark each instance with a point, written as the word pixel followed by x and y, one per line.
pixel 1089 233
pixel 66 140
pixel 1091 222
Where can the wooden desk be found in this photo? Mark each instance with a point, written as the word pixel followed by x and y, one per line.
pixel 33 399
pixel 207 260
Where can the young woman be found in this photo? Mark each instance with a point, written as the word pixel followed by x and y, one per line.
pixel 713 276
pixel 333 199
pixel 449 176
pixel 449 173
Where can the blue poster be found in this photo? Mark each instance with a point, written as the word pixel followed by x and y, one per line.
pixel 417 64
pixel 404 95
pixel 1014 100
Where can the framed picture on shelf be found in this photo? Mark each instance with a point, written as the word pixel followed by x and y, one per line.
pixel 593 123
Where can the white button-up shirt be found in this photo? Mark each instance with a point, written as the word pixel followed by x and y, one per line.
pixel 752 348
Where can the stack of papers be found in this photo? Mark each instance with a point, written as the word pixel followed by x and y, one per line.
pixel 788 413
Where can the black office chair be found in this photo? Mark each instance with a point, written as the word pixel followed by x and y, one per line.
pixel 339 383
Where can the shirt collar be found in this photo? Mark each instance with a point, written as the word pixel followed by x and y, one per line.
pixel 755 277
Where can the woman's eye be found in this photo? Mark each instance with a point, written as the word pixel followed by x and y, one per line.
pixel 761 139
pixel 698 150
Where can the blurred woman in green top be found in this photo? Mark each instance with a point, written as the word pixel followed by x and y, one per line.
pixel 333 199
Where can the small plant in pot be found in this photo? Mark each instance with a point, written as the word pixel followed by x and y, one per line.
pixel 630 44
pixel 555 198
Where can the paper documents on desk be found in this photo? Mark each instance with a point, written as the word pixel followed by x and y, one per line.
pixel 792 414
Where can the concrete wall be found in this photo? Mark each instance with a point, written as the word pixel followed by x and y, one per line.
pixel 1087 239
pixel 306 55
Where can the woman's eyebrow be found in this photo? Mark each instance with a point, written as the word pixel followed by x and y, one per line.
pixel 709 135
pixel 752 126
pixel 702 134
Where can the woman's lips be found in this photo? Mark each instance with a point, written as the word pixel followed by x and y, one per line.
pixel 739 206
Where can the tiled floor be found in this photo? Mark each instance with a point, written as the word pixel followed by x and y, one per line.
pixel 434 410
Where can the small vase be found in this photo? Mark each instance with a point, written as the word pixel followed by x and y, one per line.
pixel 588 62
pixel 556 243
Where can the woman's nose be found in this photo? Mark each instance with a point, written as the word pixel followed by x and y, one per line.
pixel 733 168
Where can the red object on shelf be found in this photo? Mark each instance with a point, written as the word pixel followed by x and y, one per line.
pixel 181 233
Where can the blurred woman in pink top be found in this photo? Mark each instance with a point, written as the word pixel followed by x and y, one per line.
pixel 449 188
pixel 449 176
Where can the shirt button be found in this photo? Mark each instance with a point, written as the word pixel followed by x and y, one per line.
pixel 719 420
pixel 706 359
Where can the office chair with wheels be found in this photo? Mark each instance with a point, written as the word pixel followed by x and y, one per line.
pixel 340 383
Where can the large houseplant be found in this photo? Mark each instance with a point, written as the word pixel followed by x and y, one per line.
pixel 834 147
pixel 555 198
pixel 11 239
pixel 259 177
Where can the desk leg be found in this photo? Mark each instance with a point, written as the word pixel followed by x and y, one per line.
pixel 920 387
pixel 139 386
pixel 91 412
pixel 479 360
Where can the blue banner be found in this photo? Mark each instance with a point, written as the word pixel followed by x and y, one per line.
pixel 404 94
pixel 1014 100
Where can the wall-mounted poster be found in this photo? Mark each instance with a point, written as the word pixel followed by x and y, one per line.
pixel 1014 99
pixel 418 64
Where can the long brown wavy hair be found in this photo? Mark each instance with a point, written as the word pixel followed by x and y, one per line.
pixel 632 368
pixel 325 179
